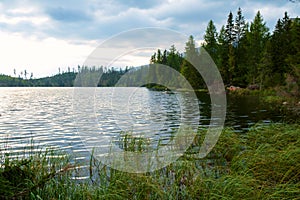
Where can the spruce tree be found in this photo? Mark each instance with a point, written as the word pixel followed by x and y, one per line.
pixel 222 61
pixel 210 40
pixel 187 69
pixel 280 48
pixel 239 27
pixel 257 38
pixel 229 30
pixel 174 59
pixel 230 43
pixel 293 60
pixel 240 30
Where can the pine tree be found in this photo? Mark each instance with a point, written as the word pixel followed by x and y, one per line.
pixel 187 69
pixel 257 38
pixel 239 27
pixel 280 48
pixel 164 59
pixel 230 44
pixel 210 39
pixel 159 56
pixel 229 30
pixel 25 74
pixel 293 60
pixel 153 59
pixel 190 49
pixel 240 31
pixel 222 61
pixel 174 59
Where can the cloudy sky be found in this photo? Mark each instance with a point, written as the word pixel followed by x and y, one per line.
pixel 42 36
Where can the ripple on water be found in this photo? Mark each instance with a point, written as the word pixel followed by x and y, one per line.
pixel 47 117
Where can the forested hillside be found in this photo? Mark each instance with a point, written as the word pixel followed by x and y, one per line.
pixel 105 78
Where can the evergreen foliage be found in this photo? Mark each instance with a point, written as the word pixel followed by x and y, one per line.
pixel 246 53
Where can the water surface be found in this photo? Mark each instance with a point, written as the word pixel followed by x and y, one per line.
pixel 54 116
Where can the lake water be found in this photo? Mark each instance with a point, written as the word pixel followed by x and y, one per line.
pixel 57 117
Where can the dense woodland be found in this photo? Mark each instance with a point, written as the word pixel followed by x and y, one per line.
pixel 247 54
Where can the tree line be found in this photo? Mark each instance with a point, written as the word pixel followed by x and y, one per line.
pixel 247 54
pixel 88 76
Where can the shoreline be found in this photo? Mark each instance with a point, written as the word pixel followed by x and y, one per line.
pixel 229 171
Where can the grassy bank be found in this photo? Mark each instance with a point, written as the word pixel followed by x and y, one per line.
pixel 264 163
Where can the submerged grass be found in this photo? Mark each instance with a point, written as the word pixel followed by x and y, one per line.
pixel 263 163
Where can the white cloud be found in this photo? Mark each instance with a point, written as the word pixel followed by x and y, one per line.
pixel 134 58
pixel 134 47
pixel 24 11
pixel 272 13
pixel 42 57
pixel 35 20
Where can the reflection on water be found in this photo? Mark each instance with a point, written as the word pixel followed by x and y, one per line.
pixel 47 115
pixel 246 111
pixel 242 112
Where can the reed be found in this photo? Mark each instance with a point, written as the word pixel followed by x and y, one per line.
pixel 263 163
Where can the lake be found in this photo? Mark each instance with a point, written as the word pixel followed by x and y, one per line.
pixel 60 117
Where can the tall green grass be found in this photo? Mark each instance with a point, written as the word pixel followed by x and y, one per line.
pixel 263 163
pixel 23 175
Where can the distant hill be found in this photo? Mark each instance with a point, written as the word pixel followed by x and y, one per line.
pixel 59 80
pixel 109 78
